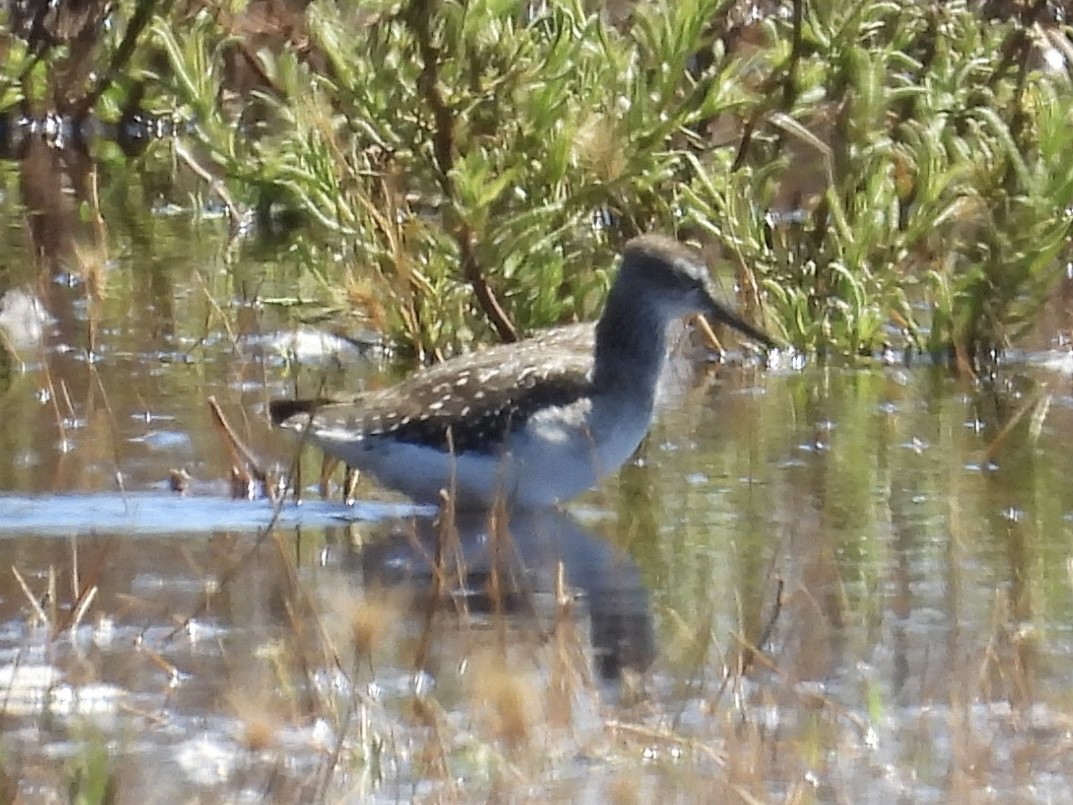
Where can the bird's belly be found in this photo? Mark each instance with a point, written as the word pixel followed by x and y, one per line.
pixel 551 460
pixel 424 473
pixel 551 463
pixel 525 475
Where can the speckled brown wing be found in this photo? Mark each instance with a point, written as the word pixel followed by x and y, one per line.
pixel 468 404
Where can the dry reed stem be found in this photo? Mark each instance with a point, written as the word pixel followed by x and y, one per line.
pixel 34 603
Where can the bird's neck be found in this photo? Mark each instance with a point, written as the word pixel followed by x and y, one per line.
pixel 631 344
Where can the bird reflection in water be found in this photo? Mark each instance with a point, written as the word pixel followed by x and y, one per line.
pixel 486 573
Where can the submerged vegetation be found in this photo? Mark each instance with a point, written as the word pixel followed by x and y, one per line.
pixel 874 173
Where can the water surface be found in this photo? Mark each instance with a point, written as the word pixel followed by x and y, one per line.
pixel 832 584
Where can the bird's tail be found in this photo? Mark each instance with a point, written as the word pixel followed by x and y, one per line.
pixel 282 410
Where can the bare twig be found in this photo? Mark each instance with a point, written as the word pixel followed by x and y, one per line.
pixel 114 428
pixel 142 15
pixel 244 463
pixel 217 186
pixel 1038 403
pixel 665 736
pixel 38 609
pixel 769 627
pixel 421 11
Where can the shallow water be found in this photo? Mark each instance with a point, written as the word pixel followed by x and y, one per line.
pixel 902 563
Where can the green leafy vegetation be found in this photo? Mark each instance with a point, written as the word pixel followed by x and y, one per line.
pixel 871 173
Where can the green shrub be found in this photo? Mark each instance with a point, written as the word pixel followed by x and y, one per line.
pixel 874 172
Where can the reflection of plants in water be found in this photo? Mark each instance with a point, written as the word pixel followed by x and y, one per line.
pixel 91 775
pixel 917 614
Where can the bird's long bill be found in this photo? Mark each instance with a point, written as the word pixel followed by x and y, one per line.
pixel 717 312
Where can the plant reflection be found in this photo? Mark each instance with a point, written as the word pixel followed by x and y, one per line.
pixel 511 570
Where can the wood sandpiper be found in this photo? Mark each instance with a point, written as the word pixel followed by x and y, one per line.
pixel 533 423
